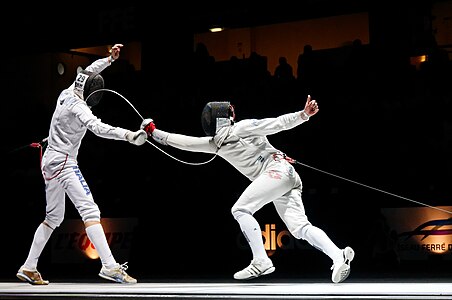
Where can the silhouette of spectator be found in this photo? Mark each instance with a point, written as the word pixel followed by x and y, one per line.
pixel 203 68
pixel 202 56
pixel 356 60
pixel 256 72
pixel 305 67
pixel 356 71
pixel 257 68
pixel 284 71
pixel 284 80
pixel 233 75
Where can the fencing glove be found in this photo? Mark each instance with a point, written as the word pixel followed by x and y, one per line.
pixel 148 125
pixel 138 137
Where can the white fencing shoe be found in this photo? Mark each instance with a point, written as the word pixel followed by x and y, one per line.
pixel 341 269
pixel 30 276
pixel 258 267
pixel 117 274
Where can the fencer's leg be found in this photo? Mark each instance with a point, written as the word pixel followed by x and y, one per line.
pixel 291 210
pixel 252 232
pixel 110 270
pixel 28 272
pixel 40 239
pixel 96 235
pixel 320 240
pixel 260 264
pixel 263 190
pixel 55 208
pixel 341 258
pixel 78 191
pixel 268 186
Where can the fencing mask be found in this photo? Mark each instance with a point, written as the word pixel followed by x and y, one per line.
pixel 216 115
pixel 85 84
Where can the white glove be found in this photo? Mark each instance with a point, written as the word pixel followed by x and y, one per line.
pixel 138 137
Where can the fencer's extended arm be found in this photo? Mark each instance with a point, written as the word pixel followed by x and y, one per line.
pixel 99 65
pixel 96 126
pixel 184 142
pixel 269 126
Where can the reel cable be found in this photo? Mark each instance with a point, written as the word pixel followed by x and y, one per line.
pixel 372 188
pixel 155 146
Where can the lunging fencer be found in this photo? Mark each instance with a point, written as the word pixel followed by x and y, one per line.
pixel 245 146
pixel 70 121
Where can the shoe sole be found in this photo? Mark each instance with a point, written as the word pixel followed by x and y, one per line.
pixel 25 278
pixel 266 272
pixel 114 279
pixel 344 270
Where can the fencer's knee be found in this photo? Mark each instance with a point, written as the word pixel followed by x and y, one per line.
pixel 91 214
pixel 91 222
pixel 53 221
pixel 237 213
pixel 301 232
pixel 54 217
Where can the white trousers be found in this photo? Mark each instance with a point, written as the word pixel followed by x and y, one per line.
pixel 280 184
pixel 63 177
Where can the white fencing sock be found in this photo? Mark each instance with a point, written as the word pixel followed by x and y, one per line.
pixel 253 234
pixel 320 240
pixel 96 235
pixel 42 235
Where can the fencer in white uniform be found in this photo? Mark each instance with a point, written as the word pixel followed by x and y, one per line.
pixel 245 146
pixel 70 121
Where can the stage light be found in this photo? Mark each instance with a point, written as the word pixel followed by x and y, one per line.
pixel 216 29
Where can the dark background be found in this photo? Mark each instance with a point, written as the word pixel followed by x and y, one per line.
pixel 381 123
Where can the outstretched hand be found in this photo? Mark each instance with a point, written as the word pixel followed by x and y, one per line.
pixel 138 137
pixel 115 51
pixel 311 107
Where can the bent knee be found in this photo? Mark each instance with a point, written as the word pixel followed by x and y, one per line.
pixel 47 224
pixel 90 214
pixel 54 218
pixel 52 221
pixel 300 231
pixel 237 213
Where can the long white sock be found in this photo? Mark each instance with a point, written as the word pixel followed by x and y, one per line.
pixel 253 234
pixel 320 240
pixel 96 235
pixel 42 235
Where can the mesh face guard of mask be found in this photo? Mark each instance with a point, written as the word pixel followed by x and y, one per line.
pixel 216 115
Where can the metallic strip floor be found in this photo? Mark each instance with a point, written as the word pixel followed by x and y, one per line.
pixel 246 290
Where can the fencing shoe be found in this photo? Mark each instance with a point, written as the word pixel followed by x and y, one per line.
pixel 341 269
pixel 117 274
pixel 32 277
pixel 258 267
